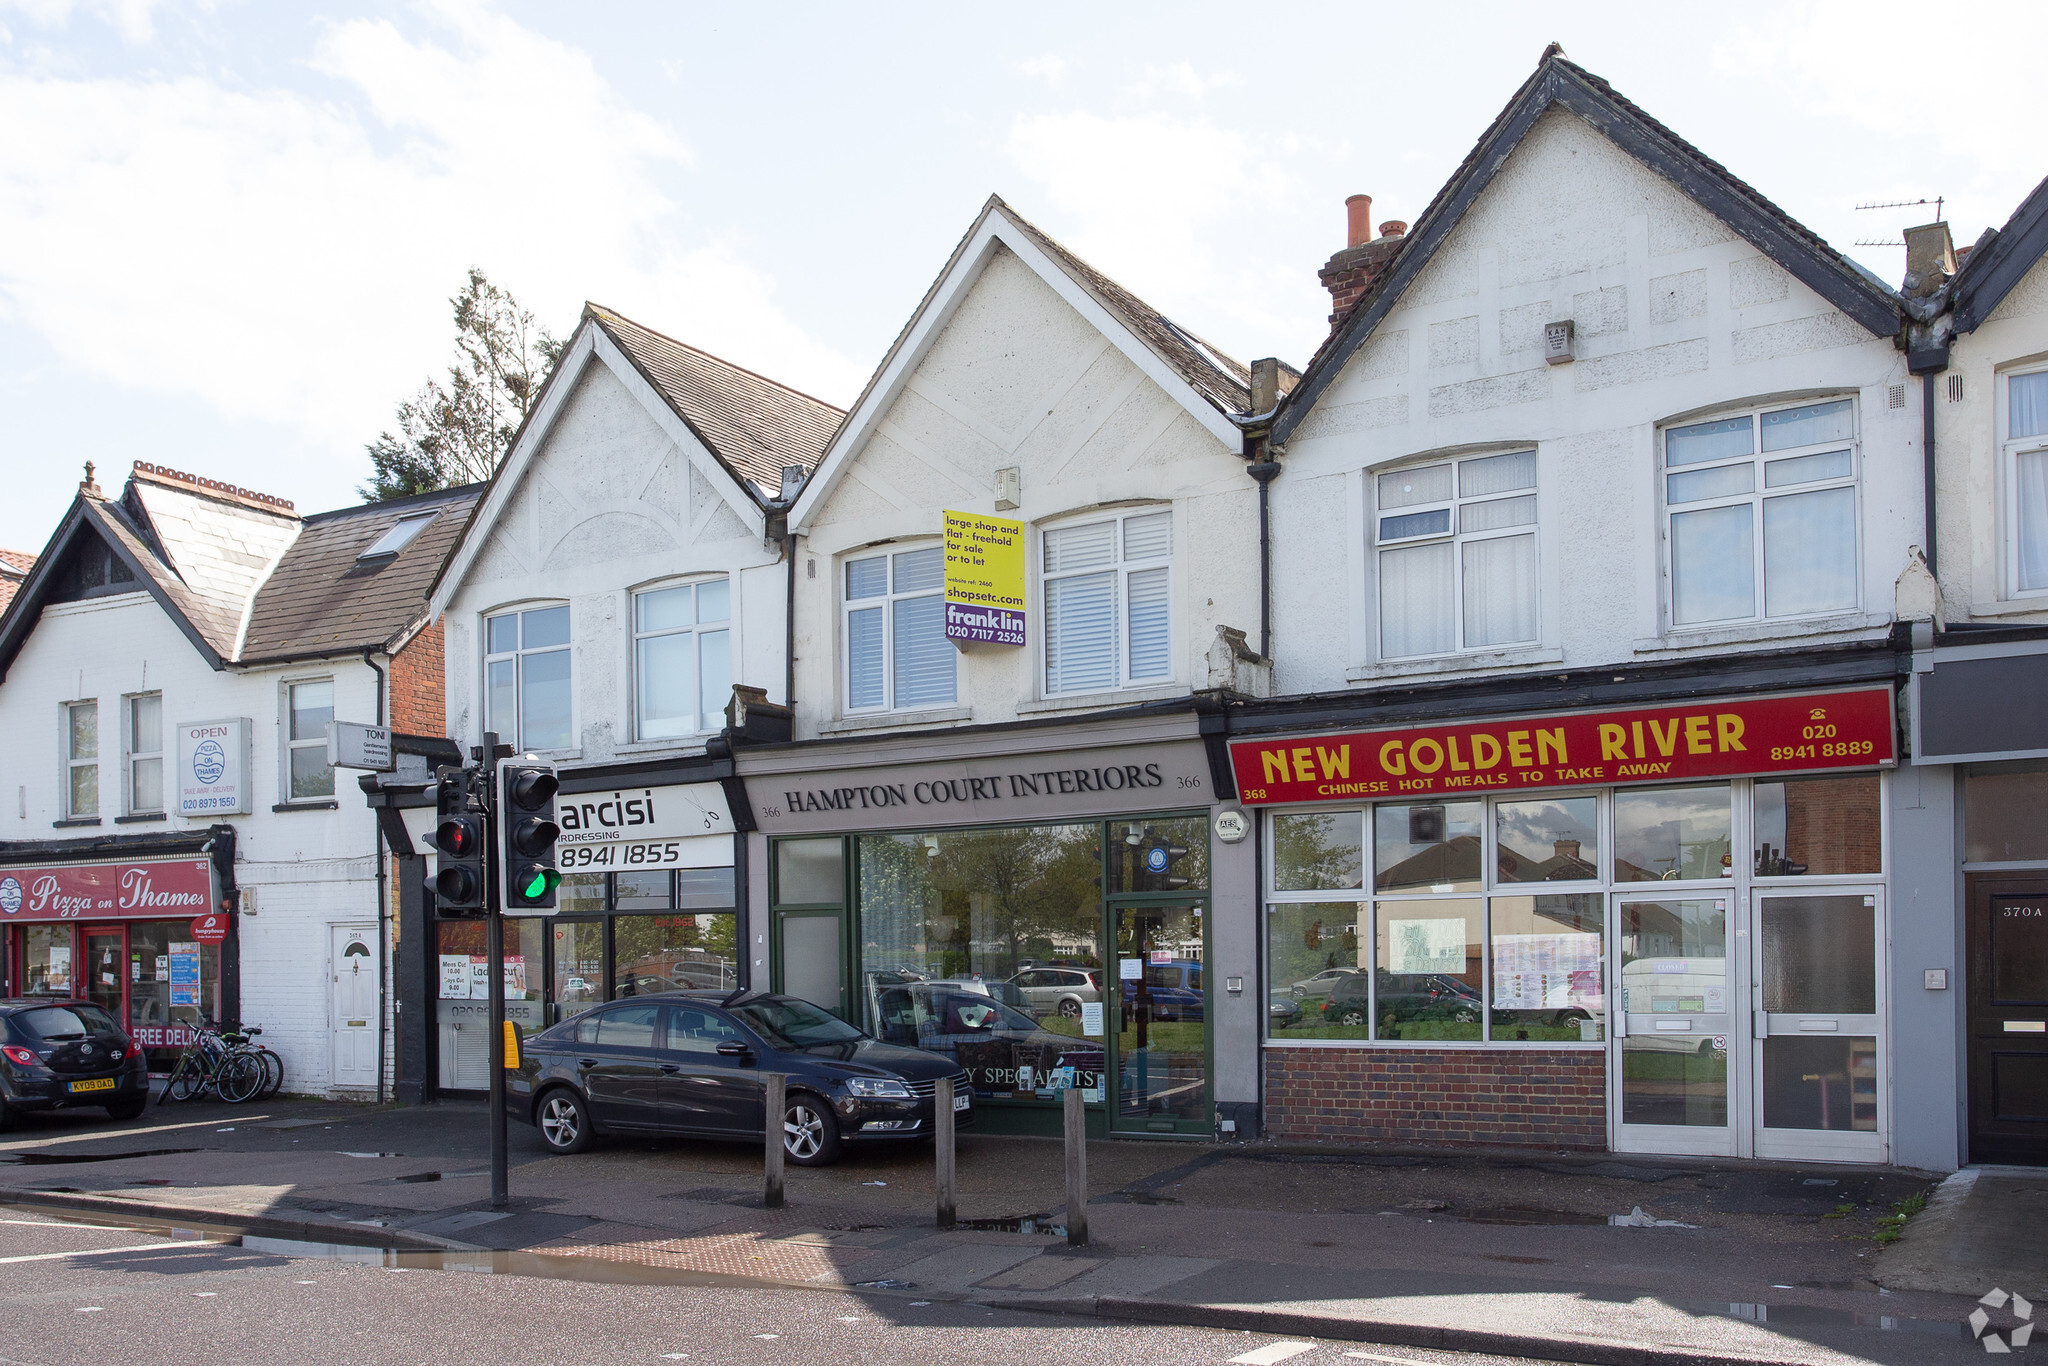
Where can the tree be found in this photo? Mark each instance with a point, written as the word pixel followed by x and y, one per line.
pixel 457 433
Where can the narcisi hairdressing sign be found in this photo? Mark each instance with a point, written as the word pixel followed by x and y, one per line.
pixel 1814 732
pixel 686 825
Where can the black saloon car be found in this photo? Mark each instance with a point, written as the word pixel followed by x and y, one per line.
pixel 57 1054
pixel 690 1063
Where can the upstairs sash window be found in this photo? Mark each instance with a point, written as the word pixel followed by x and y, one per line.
pixel 897 654
pixel 1107 589
pixel 1457 555
pixel 526 677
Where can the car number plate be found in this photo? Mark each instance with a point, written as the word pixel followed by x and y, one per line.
pixel 960 1101
pixel 99 1084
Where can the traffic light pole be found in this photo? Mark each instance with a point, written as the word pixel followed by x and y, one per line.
pixel 494 938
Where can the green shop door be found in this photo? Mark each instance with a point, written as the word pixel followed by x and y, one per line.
pixel 1159 1071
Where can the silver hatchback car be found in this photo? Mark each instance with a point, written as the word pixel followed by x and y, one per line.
pixel 1058 990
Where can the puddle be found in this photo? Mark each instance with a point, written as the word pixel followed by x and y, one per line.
pixel 888 1285
pixel 1027 1223
pixel 416 1178
pixel 346 1154
pixel 1814 1316
pixel 65 1159
pixel 1149 1198
pixel 537 1264
pixel 1522 1214
pixel 1519 1261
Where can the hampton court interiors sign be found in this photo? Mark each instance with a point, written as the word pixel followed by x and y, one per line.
pixel 984 579
pixel 1723 739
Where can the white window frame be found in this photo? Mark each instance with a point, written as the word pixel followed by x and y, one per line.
pixel 1457 539
pixel 1123 569
pixel 398 536
pixel 2010 448
pixel 887 602
pixel 1755 499
pixel 287 745
pixel 72 762
pixel 514 736
pixel 131 755
pixel 707 720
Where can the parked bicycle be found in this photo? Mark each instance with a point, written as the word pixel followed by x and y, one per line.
pixel 228 1063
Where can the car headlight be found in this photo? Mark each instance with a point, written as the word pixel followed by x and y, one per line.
pixel 880 1088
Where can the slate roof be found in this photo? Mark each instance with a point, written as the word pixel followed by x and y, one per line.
pixel 750 424
pixel 1560 83
pixel 323 599
pixel 1221 379
pixel 2000 260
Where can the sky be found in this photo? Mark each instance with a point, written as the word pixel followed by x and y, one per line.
pixel 229 232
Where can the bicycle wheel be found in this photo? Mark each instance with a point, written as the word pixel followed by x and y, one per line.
pixel 188 1083
pixel 178 1074
pixel 240 1078
pixel 273 1069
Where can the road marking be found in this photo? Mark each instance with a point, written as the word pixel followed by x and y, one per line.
pixel 108 1251
pixel 62 1144
pixel 1273 1352
pixel 1392 1361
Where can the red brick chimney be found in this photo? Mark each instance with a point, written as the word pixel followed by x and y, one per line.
pixel 1353 271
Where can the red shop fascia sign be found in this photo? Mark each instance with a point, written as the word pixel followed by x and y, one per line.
pixel 152 889
pixel 1749 737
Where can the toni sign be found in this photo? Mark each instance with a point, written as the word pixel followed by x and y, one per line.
pixel 1721 739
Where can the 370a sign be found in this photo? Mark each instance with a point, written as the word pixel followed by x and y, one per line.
pixel 1721 739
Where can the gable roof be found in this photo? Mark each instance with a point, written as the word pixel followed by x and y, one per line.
pixel 192 545
pixel 750 424
pixel 1212 386
pixel 1561 84
pixel 737 428
pixel 324 598
pixel 1993 268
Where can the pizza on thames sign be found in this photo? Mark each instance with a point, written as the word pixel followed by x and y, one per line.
pixel 1814 732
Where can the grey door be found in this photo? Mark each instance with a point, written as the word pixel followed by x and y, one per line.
pixel 708 1091
pixel 621 1067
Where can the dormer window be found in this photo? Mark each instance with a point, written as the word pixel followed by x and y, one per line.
pixel 401 534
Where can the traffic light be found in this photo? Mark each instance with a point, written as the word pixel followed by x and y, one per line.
pixel 526 835
pixel 459 836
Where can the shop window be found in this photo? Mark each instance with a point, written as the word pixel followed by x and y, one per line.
pixel 2026 480
pixel 1666 834
pixel 897 654
pixel 463 963
pixel 1761 514
pixel 309 707
pixel 807 872
pixel 1554 840
pixel 1427 984
pixel 682 659
pixel 581 894
pixel 1108 603
pixel 1456 547
pixel 2005 813
pixel 526 677
pixel 648 891
pixel 1318 851
pixel 1548 968
pixel 1819 826
pixel 81 760
pixel 1318 960
pixel 653 953
pixel 145 739
pixel 579 966
pixel 46 960
pixel 1428 846
pixel 705 888
pixel 1159 855
pixel 959 932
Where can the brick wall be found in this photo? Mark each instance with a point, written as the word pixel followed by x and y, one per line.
pixel 1511 1096
pixel 1352 272
pixel 419 697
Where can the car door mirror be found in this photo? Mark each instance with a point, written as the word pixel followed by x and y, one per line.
pixel 733 1048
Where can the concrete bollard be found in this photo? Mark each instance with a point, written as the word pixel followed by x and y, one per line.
pixel 942 1151
pixel 775 1105
pixel 1077 1168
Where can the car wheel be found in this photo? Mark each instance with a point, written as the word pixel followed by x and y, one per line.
pixel 1351 1017
pixel 130 1108
pixel 563 1121
pixel 810 1132
pixel 1070 1008
pixel 6 1116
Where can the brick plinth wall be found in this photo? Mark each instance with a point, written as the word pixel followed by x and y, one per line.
pixel 1526 1097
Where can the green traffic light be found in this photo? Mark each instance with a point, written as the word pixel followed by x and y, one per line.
pixel 544 880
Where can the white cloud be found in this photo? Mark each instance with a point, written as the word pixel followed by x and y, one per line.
pixel 1182 79
pixel 288 258
pixel 1049 68
pixel 1145 197
pixel 134 20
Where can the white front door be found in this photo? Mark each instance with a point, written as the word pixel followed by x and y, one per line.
pixel 354 1024
pixel 1817 1029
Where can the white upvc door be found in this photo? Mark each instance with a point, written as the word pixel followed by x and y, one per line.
pixel 353 1025
pixel 1676 1068
pixel 1818 1072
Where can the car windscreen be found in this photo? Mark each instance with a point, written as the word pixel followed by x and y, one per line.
pixel 66 1024
pixel 787 1022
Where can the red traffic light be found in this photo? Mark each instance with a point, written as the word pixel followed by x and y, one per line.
pixel 459 837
